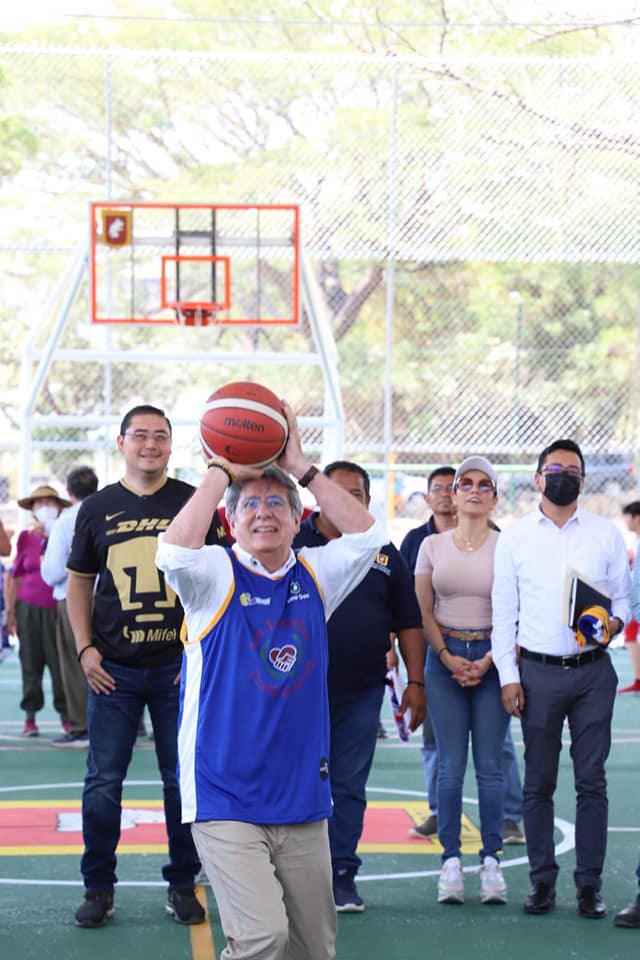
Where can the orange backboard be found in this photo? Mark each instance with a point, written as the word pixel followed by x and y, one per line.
pixel 151 262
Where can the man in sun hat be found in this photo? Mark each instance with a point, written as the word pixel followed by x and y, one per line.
pixel 45 493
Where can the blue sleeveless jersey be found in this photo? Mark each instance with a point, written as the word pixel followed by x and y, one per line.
pixel 254 719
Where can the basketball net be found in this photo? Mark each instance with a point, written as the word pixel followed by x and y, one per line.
pixel 193 316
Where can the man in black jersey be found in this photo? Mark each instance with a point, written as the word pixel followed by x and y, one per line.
pixel 126 622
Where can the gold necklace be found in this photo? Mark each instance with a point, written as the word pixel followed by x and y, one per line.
pixel 469 545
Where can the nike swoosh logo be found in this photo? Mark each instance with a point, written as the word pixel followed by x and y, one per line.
pixel 111 516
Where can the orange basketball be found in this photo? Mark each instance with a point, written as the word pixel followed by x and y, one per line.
pixel 244 423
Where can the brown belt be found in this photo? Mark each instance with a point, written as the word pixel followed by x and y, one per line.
pixel 466 634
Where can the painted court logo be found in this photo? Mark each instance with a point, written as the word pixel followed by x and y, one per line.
pixel 54 827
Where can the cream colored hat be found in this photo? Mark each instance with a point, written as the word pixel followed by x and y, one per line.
pixel 476 463
pixel 39 494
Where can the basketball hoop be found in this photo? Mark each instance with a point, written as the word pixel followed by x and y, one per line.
pixel 172 263
pixel 193 316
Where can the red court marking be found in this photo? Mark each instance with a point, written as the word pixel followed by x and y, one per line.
pixel 35 827
pixel 390 825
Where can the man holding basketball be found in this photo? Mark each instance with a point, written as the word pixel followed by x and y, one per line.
pixel 254 727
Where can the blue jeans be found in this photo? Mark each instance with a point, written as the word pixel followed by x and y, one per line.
pixel 113 727
pixel 510 772
pixel 354 730
pixel 457 712
pixel 429 751
pixel 511 778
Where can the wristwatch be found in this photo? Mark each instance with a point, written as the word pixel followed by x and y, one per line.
pixel 308 477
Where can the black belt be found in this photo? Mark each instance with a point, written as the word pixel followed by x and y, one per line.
pixel 575 660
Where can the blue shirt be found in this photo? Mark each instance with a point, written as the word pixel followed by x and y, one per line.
pixel 253 742
pixel 279 664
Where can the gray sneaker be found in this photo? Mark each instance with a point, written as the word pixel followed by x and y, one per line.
pixel 511 833
pixel 428 828
pixel 72 741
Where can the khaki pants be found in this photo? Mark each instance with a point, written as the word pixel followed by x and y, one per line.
pixel 74 680
pixel 273 888
pixel 37 635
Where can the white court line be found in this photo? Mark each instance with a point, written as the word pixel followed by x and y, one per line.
pixel 567 843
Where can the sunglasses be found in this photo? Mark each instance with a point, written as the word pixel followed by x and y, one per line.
pixel 483 486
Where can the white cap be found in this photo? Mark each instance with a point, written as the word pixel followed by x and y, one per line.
pixel 476 463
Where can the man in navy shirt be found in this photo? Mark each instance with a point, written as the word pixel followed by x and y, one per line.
pixel 438 498
pixel 359 631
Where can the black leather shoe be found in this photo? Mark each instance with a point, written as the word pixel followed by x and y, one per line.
pixel 630 916
pixel 590 903
pixel 542 899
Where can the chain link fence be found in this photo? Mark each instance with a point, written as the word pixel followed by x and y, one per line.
pixel 471 225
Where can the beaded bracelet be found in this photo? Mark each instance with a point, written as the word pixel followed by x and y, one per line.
pixel 225 469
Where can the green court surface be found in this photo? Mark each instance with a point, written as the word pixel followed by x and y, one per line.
pixel 40 846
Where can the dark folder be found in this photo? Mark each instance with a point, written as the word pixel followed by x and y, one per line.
pixel 582 594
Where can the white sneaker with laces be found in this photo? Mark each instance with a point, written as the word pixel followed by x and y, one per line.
pixel 493 889
pixel 451 882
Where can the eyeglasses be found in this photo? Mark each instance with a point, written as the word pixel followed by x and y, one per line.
pixel 555 468
pixel 484 486
pixel 273 502
pixel 441 488
pixel 141 436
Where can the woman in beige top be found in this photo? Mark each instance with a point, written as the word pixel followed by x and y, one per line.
pixel 454 574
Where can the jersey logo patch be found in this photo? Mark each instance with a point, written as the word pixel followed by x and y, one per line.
pixel 248 600
pixel 283 658
pixel 295 592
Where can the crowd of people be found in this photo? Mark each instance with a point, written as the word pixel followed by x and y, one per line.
pixel 138 596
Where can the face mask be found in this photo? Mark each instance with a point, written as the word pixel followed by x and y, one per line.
pixel 561 488
pixel 46 516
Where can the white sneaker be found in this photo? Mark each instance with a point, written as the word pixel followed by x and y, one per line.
pixel 451 882
pixel 493 889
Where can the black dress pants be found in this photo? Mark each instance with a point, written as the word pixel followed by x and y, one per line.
pixel 584 696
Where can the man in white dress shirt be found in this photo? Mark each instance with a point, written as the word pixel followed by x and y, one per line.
pixel 546 676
